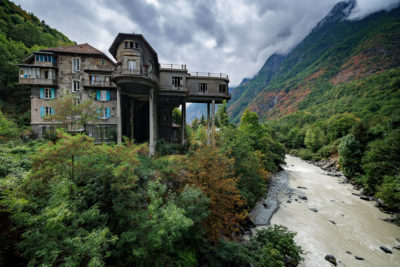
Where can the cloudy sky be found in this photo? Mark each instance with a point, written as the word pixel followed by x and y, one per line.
pixel 229 36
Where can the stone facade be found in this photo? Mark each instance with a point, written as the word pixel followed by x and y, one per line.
pixel 136 94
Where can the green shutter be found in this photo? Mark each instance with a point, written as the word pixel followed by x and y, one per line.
pixel 53 93
pixel 41 92
pixel 108 95
pixel 98 95
pixel 42 112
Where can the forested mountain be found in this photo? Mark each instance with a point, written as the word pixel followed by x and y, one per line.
pixel 332 70
pixel 337 95
pixel 20 34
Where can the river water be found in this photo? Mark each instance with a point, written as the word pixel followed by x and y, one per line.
pixel 343 223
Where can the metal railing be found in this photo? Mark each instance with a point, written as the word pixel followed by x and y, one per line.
pixel 173 66
pixel 170 87
pixel 209 74
pixel 141 72
pixel 99 83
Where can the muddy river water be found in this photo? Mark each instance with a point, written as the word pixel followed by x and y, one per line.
pixel 328 218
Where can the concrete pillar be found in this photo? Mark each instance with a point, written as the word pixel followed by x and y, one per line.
pixel 212 121
pixel 208 123
pixel 151 123
pixel 119 120
pixel 132 104
pixel 183 123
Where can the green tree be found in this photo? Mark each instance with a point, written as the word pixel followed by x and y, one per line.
pixel 350 156
pixel 314 138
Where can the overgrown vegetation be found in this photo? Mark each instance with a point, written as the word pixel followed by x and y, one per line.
pixel 72 202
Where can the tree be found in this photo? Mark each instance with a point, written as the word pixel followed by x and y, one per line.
pixel 177 116
pixel 350 156
pixel 222 115
pixel 211 170
pixel 73 116
pixel 314 139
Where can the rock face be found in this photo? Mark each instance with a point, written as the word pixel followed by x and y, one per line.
pixel 331 259
pixel 386 250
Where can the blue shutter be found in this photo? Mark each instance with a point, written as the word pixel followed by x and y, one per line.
pixel 99 112
pixel 108 113
pixel 37 57
pixel 53 93
pixel 108 95
pixel 41 92
pixel 41 111
pixel 98 95
pixel 41 58
pixel 52 111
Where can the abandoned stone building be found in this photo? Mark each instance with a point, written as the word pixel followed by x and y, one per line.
pixel 135 95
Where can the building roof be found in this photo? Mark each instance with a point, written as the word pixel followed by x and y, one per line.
pixel 123 36
pixel 75 49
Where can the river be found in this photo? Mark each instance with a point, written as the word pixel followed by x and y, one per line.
pixel 342 225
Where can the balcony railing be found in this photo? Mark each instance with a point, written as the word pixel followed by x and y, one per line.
pixel 142 72
pixel 99 84
pixel 209 74
pixel 37 81
pixel 170 87
pixel 173 66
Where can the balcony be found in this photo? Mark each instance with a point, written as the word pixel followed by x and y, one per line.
pixel 98 84
pixel 37 81
pixel 170 87
pixel 141 73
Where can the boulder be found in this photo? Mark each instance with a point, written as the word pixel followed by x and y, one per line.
pixel 397 247
pixel 314 209
pixel 332 222
pixel 302 197
pixel 386 250
pixel 365 198
pixel 331 259
pixel 302 187
pixel 358 258
pixel 348 252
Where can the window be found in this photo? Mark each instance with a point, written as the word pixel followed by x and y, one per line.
pixel 104 113
pixel 131 65
pixel 222 88
pixel 76 86
pixel 202 87
pixel 47 93
pixel 126 44
pixel 37 57
pixel 38 73
pixel 41 58
pixel 76 64
pixel 46 111
pixel 177 82
pixel 136 45
pixel 102 62
pixel 131 44
pixel 107 80
pixel 93 80
pixel 103 95
pixel 77 101
pixel 61 60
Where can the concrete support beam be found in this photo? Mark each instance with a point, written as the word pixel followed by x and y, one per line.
pixel 208 123
pixel 132 106
pixel 152 145
pixel 212 121
pixel 119 120
pixel 183 123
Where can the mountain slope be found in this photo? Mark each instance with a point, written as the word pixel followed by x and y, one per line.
pixel 20 34
pixel 336 52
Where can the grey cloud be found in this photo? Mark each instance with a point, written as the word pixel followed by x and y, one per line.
pixel 246 32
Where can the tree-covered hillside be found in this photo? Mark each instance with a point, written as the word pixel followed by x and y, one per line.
pixel 20 34
pixel 337 95
pixel 337 52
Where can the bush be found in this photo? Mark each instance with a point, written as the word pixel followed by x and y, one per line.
pixel 389 192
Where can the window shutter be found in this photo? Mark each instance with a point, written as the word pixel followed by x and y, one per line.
pixel 108 95
pixel 41 92
pixel 108 113
pixel 52 111
pixel 99 112
pixel 41 111
pixel 53 93
pixel 98 95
